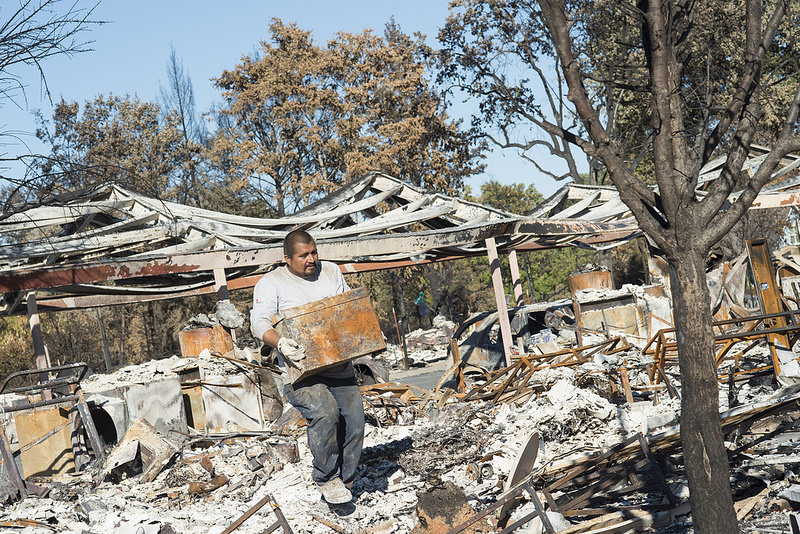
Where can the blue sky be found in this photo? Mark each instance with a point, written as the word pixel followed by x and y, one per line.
pixel 131 52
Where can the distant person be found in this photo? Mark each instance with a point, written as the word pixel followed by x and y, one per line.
pixel 423 310
pixel 331 400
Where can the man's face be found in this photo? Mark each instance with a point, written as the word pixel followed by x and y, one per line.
pixel 303 262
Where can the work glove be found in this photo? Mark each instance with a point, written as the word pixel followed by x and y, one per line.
pixel 291 350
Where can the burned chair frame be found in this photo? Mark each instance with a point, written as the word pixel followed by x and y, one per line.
pixel 74 374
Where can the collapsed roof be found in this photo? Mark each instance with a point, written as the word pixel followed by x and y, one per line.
pixel 110 245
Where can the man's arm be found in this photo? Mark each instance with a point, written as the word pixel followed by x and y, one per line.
pixel 265 305
pixel 271 338
pixel 337 278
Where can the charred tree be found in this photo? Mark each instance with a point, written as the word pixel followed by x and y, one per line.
pixel 681 222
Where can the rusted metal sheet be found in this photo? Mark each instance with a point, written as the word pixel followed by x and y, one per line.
pixel 93 272
pixel 50 456
pixel 40 431
pixel 775 200
pixel 216 340
pixel 332 330
pixel 769 296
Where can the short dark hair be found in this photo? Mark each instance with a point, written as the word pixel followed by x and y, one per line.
pixel 293 238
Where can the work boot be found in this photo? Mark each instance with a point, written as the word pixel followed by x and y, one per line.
pixel 335 492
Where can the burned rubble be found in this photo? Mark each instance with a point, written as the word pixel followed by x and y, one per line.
pixel 578 432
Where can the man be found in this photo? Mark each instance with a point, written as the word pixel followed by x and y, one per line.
pixel 331 400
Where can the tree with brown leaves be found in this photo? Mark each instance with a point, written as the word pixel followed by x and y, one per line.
pixel 113 139
pixel 298 119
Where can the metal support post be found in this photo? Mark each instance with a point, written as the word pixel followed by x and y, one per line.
pixel 500 298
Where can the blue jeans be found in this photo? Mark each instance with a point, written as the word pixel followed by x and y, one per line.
pixel 334 410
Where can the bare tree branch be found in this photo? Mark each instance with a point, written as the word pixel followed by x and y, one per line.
pixel 36 31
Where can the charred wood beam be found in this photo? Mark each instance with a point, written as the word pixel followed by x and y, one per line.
pixel 115 296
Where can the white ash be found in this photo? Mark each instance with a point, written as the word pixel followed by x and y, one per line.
pixel 227 314
pixel 224 313
pixel 393 356
pixel 571 420
pixel 156 370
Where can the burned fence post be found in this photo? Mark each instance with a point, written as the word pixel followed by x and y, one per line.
pixel 11 466
pixel 38 342
pixel 513 264
pixel 91 429
pixel 500 298
pixel 221 289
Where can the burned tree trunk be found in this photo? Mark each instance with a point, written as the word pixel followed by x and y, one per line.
pixel 705 455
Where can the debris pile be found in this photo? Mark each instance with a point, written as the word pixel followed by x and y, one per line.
pixel 432 338
pixel 579 433
pixel 423 347
pixel 439 447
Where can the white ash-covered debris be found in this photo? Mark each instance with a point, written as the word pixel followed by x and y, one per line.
pixel 393 356
pixel 409 453
pixel 155 370
pixel 438 335
pixel 424 347
pixel 650 309
pixel 435 446
pixel 224 314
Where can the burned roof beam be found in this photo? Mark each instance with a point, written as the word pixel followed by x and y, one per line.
pixel 146 266
pixel 54 303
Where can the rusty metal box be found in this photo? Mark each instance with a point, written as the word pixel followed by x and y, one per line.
pixel 332 330
pixel 216 340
